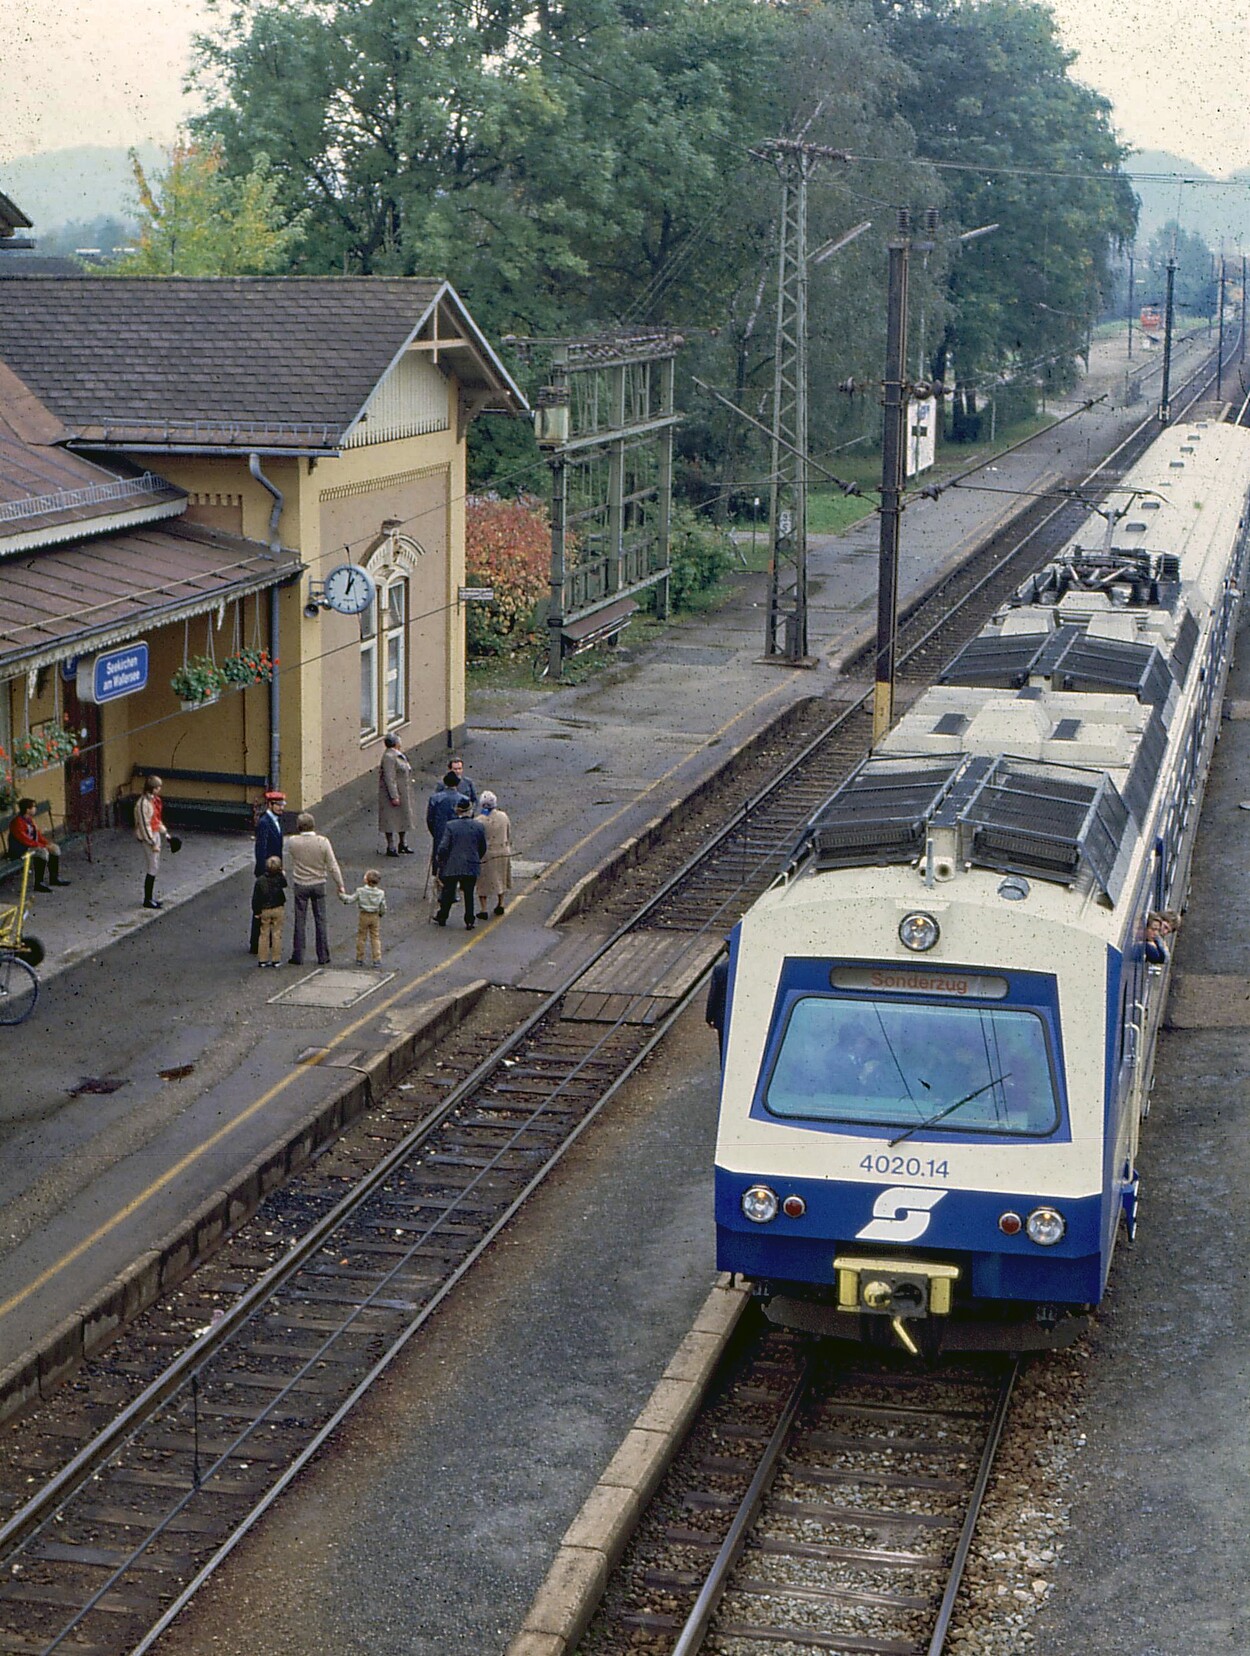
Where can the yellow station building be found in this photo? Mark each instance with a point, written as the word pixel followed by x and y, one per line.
pixel 203 468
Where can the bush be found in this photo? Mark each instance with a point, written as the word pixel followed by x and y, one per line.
pixel 700 555
pixel 507 547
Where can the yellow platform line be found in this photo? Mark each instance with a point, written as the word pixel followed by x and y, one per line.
pixel 223 1132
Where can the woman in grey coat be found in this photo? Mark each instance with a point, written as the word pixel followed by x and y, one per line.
pixel 395 797
pixel 496 876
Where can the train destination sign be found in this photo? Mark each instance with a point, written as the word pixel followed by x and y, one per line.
pixel 106 678
pixel 907 980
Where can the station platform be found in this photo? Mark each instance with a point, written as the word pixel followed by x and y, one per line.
pixel 159 1059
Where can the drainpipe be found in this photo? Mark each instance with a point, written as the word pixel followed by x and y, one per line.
pixel 275 683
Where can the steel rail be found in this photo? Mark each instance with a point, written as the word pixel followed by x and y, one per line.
pixel 693 1633
pixel 946 1610
pixel 265 1289
pixel 383 1363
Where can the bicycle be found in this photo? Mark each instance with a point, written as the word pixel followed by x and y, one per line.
pixel 20 954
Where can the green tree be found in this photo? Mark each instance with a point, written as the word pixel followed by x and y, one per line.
pixel 1027 148
pixel 197 219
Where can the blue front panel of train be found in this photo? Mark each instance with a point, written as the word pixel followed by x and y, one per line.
pixel 912 1221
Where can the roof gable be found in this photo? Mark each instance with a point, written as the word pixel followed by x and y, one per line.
pixel 271 363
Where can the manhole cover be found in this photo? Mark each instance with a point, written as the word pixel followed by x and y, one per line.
pixel 330 987
pixel 94 1084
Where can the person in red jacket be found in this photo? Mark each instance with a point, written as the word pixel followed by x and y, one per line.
pixel 25 838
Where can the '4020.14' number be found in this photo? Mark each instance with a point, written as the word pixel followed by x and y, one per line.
pixel 911 1167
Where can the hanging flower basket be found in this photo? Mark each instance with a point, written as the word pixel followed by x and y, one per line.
pixel 246 667
pixel 197 682
pixel 8 790
pixel 50 745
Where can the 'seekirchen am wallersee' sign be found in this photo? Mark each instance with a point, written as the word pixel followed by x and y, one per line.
pixel 106 678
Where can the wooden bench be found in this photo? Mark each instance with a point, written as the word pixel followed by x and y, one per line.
pixel 602 626
pixel 187 811
pixel 13 865
pixel 605 626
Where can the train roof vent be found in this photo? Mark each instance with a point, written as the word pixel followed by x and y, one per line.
pixel 1032 619
pixel 1149 505
pixel 997 662
pixel 1053 821
pixel 1090 662
pixel 1066 730
pixel 1183 649
pixel 1176 465
pixel 879 813
pixel 1134 528
pixel 951 724
pixel 1147 763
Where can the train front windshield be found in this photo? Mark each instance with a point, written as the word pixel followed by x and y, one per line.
pixel 900 1064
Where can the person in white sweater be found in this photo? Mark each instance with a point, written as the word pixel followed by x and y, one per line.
pixel 311 862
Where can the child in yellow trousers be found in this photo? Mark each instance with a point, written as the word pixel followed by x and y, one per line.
pixel 370 899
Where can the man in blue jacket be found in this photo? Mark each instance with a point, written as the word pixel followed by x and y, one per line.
pixel 268 844
pixel 458 861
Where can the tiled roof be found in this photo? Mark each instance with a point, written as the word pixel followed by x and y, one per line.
pixel 48 495
pixel 14 263
pixel 248 362
pixel 106 591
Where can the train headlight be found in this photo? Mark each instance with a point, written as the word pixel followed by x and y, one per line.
pixel 1045 1227
pixel 918 932
pixel 759 1204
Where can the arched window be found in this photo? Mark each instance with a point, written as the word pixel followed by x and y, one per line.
pixel 384 636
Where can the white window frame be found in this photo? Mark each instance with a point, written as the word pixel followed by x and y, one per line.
pixel 384 651
pixel 393 652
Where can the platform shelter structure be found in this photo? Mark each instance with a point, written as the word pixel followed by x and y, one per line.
pixel 606 421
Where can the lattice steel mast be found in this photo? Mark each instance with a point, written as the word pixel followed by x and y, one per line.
pixel 785 636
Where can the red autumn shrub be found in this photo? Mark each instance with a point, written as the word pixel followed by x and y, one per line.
pixel 507 547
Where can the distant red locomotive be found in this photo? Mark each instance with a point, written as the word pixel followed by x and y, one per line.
pixel 1151 318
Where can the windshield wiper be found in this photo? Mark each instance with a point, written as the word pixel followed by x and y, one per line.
pixel 933 1120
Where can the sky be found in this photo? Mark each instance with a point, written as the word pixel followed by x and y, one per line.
pixel 110 72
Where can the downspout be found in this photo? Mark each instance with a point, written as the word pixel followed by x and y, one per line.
pixel 275 630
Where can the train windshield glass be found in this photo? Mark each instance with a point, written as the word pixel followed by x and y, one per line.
pixel 899 1064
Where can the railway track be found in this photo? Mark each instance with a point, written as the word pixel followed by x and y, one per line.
pixel 119 1538
pixel 825 1501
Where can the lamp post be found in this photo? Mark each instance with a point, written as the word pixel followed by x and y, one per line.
pixel 755 518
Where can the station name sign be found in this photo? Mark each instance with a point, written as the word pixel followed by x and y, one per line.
pixel 106 678
pixel 907 980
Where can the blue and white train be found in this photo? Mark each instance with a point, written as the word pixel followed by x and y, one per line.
pixel 941 1021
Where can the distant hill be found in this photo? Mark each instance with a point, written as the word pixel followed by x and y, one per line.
pixel 90 181
pixel 1216 211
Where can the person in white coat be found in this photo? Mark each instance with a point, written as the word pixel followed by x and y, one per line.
pixel 495 880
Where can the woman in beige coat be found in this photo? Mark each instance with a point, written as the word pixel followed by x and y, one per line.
pixel 496 876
